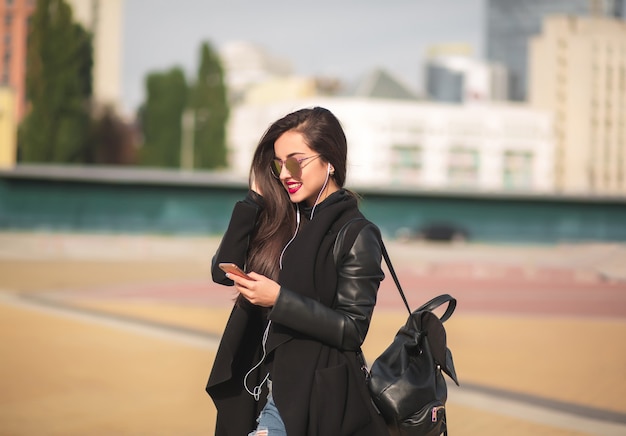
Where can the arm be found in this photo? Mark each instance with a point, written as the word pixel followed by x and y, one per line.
pixel 234 244
pixel 345 325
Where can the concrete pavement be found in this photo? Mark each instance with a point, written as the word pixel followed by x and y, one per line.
pixel 115 335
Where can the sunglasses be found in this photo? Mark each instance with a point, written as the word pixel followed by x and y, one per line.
pixel 293 165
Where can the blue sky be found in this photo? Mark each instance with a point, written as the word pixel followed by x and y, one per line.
pixel 345 38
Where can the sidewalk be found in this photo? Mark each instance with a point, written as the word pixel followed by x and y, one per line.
pixel 88 356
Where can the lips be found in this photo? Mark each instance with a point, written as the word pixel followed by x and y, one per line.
pixel 292 188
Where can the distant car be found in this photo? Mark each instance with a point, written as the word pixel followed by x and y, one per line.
pixel 439 231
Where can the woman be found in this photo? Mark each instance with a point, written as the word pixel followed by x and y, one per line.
pixel 290 359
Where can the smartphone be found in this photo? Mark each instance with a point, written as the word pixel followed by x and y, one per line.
pixel 234 269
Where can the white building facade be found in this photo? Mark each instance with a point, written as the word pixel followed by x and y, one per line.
pixel 429 146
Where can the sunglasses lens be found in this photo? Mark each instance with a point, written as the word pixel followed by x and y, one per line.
pixel 276 168
pixel 293 166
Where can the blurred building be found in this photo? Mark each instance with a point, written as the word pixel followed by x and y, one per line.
pixel 247 65
pixel 511 23
pixel 14 26
pixel 279 88
pixel 380 83
pixel 486 147
pixel 8 134
pixel 104 19
pixel 578 71
pixel 253 76
pixel 453 76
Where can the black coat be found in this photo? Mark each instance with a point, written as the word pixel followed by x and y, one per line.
pixel 319 322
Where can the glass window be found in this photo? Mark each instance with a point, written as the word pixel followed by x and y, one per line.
pixel 517 169
pixel 463 166
pixel 406 163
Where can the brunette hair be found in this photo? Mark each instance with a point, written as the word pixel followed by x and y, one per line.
pixel 323 133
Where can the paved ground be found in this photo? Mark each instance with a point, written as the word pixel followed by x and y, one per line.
pixel 116 334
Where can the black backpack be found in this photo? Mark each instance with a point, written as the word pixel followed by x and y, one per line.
pixel 406 381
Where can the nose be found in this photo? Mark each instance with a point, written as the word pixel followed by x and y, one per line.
pixel 282 175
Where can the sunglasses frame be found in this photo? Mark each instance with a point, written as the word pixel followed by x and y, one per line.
pixel 295 163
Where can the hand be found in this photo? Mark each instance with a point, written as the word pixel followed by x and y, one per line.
pixel 259 291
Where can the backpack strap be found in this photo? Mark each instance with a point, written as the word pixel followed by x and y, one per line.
pixel 345 239
pixel 394 275
pixel 438 301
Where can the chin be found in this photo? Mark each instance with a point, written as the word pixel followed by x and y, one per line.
pixel 300 197
pixel 297 197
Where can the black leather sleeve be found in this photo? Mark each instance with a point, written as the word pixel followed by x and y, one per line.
pixel 236 239
pixel 345 325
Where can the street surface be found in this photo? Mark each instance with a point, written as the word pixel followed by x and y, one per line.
pixel 115 334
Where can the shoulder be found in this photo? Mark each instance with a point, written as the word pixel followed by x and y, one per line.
pixel 254 199
pixel 358 230
pixel 367 235
pixel 356 225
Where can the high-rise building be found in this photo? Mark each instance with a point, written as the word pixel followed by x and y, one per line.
pixel 14 22
pixel 577 70
pixel 8 133
pixel 102 18
pixel 511 23
pixel 454 76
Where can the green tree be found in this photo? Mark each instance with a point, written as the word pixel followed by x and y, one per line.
pixel 58 87
pixel 161 118
pixel 209 105
pixel 112 139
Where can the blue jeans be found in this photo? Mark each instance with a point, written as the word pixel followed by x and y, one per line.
pixel 269 421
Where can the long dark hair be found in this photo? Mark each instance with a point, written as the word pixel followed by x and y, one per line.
pixel 323 133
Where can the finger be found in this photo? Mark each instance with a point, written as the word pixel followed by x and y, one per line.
pixel 245 293
pixel 237 279
pixel 256 276
pixel 251 296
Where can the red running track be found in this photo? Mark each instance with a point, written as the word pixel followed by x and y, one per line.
pixel 478 289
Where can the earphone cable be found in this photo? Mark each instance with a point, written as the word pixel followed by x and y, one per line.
pixel 280 260
pixel 321 190
pixel 256 392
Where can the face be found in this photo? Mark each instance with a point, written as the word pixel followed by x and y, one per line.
pixel 307 185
